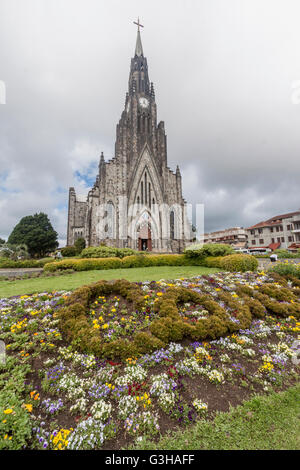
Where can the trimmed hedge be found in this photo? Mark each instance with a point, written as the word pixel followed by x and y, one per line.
pixel 106 252
pixel 169 325
pixel 134 261
pixel 279 301
pixel 28 263
pixel 209 249
pixel 75 325
pixel 236 262
pixel 228 263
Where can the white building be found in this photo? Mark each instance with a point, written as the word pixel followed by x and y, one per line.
pixel 281 231
pixel 235 236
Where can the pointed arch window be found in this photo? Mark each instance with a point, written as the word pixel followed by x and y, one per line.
pixel 142 192
pixel 172 225
pixel 145 188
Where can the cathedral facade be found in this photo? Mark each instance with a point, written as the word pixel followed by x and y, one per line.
pixel 136 200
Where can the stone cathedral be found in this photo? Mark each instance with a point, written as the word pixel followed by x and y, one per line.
pixel 136 201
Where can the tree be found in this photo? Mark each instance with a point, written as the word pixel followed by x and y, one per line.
pixel 2 241
pixel 37 233
pixel 79 245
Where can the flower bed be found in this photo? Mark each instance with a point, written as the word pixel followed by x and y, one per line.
pixel 56 394
pixel 156 317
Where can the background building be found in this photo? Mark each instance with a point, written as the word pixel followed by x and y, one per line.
pixel 281 231
pixel 236 236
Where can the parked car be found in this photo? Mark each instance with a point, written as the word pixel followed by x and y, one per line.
pixel 243 251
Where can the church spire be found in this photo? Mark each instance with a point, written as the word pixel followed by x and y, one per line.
pixel 138 47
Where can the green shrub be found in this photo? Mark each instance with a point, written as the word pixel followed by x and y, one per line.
pixel 281 253
pixel 133 261
pixel 106 252
pixel 79 245
pixel 213 261
pixel 239 262
pixel 68 251
pixel 209 249
pixel 235 262
pixel 286 269
pixel 28 263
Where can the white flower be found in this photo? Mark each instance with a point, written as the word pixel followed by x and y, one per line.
pixel 101 410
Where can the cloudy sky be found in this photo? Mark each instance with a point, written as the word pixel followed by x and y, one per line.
pixel 227 82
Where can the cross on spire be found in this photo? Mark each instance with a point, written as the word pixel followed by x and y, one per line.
pixel 138 47
pixel 138 24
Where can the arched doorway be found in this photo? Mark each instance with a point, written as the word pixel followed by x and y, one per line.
pixel 144 237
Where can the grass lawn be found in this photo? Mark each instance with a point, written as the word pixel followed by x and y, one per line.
pixel 264 422
pixel 72 281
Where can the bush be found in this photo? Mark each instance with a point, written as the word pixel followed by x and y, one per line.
pixel 286 269
pixel 79 245
pixel 213 261
pixel 106 252
pixel 281 253
pixel 133 261
pixel 228 263
pixel 68 251
pixel 238 262
pixel 210 249
pixel 29 263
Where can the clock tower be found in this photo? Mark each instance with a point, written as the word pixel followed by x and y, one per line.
pixel 140 114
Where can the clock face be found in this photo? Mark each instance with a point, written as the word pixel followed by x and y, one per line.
pixel 144 102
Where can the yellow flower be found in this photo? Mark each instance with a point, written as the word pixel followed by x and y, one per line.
pixel 28 407
pixel 8 411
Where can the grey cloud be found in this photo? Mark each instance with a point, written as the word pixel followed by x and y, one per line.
pixel 222 72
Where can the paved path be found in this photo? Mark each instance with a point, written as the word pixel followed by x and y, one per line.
pixel 12 272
